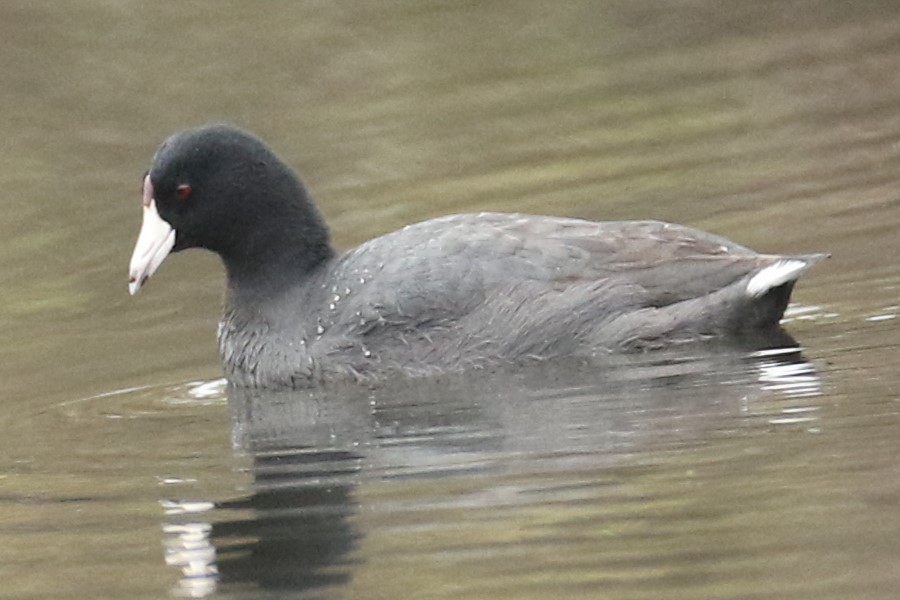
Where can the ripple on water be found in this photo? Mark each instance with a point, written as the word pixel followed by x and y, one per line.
pixel 143 401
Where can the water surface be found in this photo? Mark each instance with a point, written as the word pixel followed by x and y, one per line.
pixel 126 471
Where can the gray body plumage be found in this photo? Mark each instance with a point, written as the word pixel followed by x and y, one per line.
pixel 474 290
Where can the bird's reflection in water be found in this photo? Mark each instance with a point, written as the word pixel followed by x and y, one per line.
pixel 311 450
pixel 297 535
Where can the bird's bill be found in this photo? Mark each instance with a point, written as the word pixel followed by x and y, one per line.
pixel 154 243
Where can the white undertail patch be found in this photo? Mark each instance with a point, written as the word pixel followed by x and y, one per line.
pixel 774 275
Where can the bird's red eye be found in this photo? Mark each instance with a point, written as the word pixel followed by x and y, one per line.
pixel 183 191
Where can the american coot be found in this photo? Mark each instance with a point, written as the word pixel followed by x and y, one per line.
pixel 456 292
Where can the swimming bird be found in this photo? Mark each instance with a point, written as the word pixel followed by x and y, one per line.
pixel 448 294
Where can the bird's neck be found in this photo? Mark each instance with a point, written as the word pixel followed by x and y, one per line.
pixel 268 270
pixel 277 252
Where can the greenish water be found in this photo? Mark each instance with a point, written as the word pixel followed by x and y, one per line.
pixel 773 123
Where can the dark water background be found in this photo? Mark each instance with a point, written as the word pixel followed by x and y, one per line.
pixel 124 472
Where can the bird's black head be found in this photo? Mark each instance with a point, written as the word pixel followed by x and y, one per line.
pixel 223 189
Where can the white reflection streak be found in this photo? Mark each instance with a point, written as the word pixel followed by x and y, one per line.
pixel 187 546
pixel 201 393
pixel 203 390
pixel 793 379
